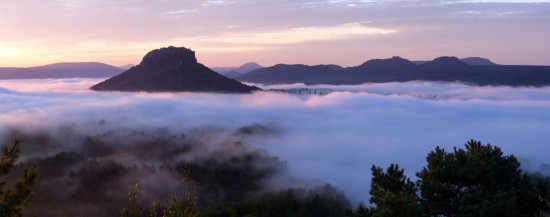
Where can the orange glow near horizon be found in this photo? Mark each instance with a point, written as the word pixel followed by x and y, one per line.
pixel 230 33
pixel 120 53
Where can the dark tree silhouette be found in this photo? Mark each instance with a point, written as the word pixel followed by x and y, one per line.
pixel 13 201
pixel 393 193
pixel 182 203
pixel 477 181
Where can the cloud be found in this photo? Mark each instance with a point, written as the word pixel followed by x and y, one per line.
pixel 217 2
pixel 358 3
pixel 43 51
pixel 442 91
pixel 120 32
pixel 332 138
pixel 500 1
pixel 294 35
pixel 184 11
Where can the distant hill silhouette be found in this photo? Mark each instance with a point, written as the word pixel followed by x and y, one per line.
pixel 478 61
pixel 392 64
pixel 61 70
pixel 233 72
pixel 223 70
pixel 475 70
pixel 444 64
pixel 378 70
pixel 474 61
pixel 247 67
pixel 285 74
pixel 127 66
pixel 172 69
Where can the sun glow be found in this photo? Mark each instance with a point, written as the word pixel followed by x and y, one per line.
pixel 296 35
pixel 53 50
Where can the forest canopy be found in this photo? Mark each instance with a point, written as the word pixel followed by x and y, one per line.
pixel 477 180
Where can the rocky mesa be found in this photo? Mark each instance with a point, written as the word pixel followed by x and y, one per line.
pixel 172 69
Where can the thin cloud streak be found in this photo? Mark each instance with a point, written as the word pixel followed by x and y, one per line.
pixel 294 35
pixel 500 1
pixel 224 43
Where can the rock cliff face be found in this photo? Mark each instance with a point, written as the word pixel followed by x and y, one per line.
pixel 172 69
pixel 169 57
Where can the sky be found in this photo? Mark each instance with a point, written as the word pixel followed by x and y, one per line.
pixel 334 138
pixel 233 32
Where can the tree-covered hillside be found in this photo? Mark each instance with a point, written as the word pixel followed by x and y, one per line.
pixel 477 180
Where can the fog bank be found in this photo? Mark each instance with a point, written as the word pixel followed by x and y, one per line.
pixel 331 138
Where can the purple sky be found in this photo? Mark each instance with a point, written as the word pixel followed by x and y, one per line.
pixel 232 32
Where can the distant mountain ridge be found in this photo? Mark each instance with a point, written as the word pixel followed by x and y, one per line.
pixel 233 72
pixel 247 67
pixel 172 69
pixel 61 70
pixel 285 74
pixel 127 66
pixel 392 64
pixel 475 70
pixel 478 61
pixel 474 61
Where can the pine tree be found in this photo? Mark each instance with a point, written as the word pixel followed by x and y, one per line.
pixel 182 203
pixel 393 193
pixel 13 201
pixel 477 181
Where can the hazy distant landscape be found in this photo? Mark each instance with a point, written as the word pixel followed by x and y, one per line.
pixel 304 108
pixel 471 70
pixel 246 144
pixel 61 70
pixel 343 132
pixel 253 148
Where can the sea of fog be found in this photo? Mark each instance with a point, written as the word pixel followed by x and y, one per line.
pixel 332 138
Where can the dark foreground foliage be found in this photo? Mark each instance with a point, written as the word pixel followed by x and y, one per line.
pixel 94 176
pixel 182 203
pixel 230 180
pixel 322 201
pixel 475 181
pixel 13 201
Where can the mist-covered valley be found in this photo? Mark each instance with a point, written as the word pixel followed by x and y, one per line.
pixel 101 142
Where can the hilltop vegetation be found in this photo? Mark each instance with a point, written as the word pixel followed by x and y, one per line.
pixel 95 174
pixel 476 181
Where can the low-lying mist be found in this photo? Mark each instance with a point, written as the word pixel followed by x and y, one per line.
pixel 92 172
pixel 316 139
